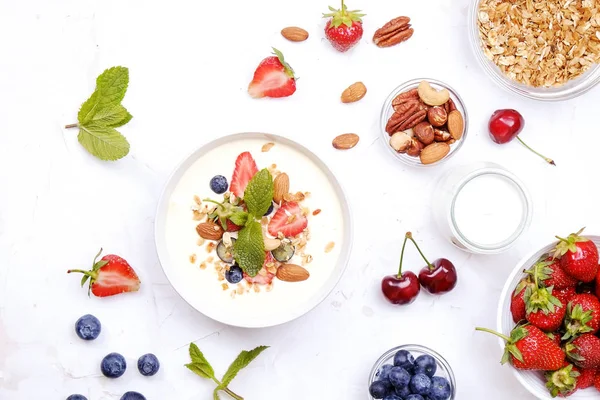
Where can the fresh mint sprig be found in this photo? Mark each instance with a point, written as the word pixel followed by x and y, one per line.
pixel 249 248
pixel 102 113
pixel 200 366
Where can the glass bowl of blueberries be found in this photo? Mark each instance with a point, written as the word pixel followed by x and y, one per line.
pixel 412 372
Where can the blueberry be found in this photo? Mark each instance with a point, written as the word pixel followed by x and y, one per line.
pixel 379 389
pixel 425 364
pixel 405 360
pixel 133 396
pixel 88 327
pixel 148 364
pixel 270 210
pixel 399 377
pixel 113 365
pixel 403 392
pixel 392 397
pixel 218 184
pixel 440 388
pixel 414 397
pixel 234 275
pixel 384 372
pixel 420 384
pixel 76 397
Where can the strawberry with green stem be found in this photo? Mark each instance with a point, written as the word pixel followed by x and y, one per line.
pixel 528 348
pixel 542 309
pixel 578 256
pixel 344 28
pixel 517 300
pixel 550 273
pixel 584 351
pixel 563 382
pixel 583 315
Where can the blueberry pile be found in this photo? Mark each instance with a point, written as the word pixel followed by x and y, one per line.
pixel 410 379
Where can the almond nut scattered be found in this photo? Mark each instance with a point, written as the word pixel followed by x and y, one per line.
pixel 345 141
pixel 354 92
pixel 316 212
pixel 396 31
pixel 294 34
pixel 281 187
pixel 209 230
pixel 456 124
pixel 434 152
pixel 267 146
pixel 292 273
pixel 329 247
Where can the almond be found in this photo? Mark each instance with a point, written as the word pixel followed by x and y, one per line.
pixel 345 141
pixel 294 34
pixel 281 187
pixel 292 273
pixel 210 231
pixel 456 124
pixel 354 92
pixel 434 152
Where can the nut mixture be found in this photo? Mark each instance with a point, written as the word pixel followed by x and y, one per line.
pixel 543 43
pixel 425 123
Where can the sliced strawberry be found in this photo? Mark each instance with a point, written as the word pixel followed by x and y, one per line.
pixel 110 276
pixel 288 220
pixel 245 169
pixel 264 277
pixel 273 78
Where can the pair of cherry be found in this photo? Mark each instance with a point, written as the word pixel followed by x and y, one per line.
pixel 438 277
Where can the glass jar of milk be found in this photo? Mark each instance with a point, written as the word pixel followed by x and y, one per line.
pixel 482 207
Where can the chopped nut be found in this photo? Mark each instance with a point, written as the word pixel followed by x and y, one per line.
pixel 307 194
pixel 225 286
pixel 232 294
pixel 240 289
pixel 221 277
pixel 297 197
pixel 256 288
pixel 329 247
pixel 193 258
pixel 270 287
pixel 203 265
pixel 197 200
pixel 210 247
pixel 267 146
pixel 227 239
pixel 210 259
pixel 305 211
pixel 317 211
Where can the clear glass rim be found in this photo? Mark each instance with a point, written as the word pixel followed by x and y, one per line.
pixel 387 105
pixel 415 347
pixel 525 219
pixel 582 84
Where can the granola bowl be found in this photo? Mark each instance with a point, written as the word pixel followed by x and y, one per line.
pixel 240 250
pixel 553 60
pixel 387 111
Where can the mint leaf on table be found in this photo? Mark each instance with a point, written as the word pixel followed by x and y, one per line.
pixel 101 113
pixel 201 366
pixel 249 248
pixel 258 195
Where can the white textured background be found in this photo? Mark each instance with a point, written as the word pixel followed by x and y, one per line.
pixel 190 63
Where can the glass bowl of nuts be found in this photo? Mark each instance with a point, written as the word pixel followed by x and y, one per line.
pixel 547 51
pixel 423 122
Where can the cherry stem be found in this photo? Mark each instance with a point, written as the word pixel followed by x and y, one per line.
pixel 494 333
pixel 408 234
pixel 71 126
pixel 431 267
pixel 548 160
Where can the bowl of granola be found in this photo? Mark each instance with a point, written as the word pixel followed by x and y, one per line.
pixel 253 230
pixel 545 50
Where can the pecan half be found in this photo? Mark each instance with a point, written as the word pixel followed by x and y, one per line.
pixel 396 31
pixel 449 106
pixel 414 120
pixel 405 97
pixel 403 112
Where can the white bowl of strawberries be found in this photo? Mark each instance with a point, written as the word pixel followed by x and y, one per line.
pixel 550 312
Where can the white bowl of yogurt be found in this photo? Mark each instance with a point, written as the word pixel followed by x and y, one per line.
pixel 197 273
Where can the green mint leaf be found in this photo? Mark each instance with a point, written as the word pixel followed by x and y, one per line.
pixel 202 370
pixel 200 364
pixel 239 218
pixel 104 142
pixel 249 248
pixel 88 109
pixel 258 195
pixel 111 86
pixel 113 116
pixel 241 362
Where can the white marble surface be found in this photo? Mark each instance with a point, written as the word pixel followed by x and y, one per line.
pixel 190 63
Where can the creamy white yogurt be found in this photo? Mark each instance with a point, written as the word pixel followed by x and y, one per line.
pixel 181 236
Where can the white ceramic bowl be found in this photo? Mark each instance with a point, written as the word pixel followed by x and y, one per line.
pixel 200 288
pixel 532 381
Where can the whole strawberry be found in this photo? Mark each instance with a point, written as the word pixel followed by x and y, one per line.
pixel 583 315
pixel 517 301
pixel 550 273
pixel 597 381
pixel 563 382
pixel 110 276
pixel 543 309
pixel 586 378
pixel 584 351
pixel 564 295
pixel 578 256
pixel 598 285
pixel 344 29
pixel 528 348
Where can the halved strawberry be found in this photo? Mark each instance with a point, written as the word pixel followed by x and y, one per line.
pixel 231 227
pixel 264 277
pixel 245 169
pixel 288 220
pixel 273 78
pixel 110 276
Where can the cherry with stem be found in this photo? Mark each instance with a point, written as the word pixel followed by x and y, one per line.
pixel 438 277
pixel 402 288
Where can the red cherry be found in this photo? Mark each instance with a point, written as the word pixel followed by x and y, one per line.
pixel 505 125
pixel 439 277
pixel 402 289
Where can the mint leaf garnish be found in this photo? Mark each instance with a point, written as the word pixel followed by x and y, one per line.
pixel 201 367
pixel 239 218
pixel 258 195
pixel 101 113
pixel 249 248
